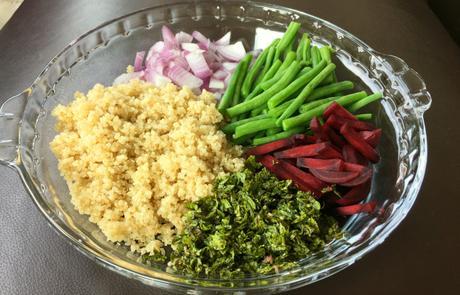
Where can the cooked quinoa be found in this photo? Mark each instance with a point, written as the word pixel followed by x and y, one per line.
pixel 133 155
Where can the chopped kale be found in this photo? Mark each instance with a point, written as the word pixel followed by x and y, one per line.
pixel 253 223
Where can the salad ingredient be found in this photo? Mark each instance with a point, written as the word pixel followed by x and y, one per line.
pixel 320 164
pixel 310 150
pixel 366 116
pixel 194 65
pixel 295 86
pixel 254 127
pixel 133 155
pixel 365 101
pixel 253 71
pixel 326 161
pixel 278 135
pixel 359 143
pixel 304 118
pixel 299 100
pixel 241 76
pixel 330 89
pixel 357 208
pixel 262 98
pixel 252 223
pixel 372 137
pixel 227 98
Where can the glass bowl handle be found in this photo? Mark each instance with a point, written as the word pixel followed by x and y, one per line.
pixel 412 82
pixel 11 113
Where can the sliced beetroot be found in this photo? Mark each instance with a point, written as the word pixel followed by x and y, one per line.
pixel 270 147
pixel 372 137
pixel 333 136
pixel 347 166
pixel 329 152
pixel 334 177
pixel 354 195
pixel 317 129
pixel 339 111
pixel 337 123
pixel 286 171
pixel 359 143
pixel 321 164
pixel 363 177
pixel 272 164
pixel 353 156
pixel 302 179
pixel 309 150
pixel 357 208
pixel 311 139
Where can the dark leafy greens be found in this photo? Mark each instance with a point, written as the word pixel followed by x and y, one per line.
pixel 253 223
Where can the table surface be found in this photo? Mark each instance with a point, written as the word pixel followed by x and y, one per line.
pixel 420 257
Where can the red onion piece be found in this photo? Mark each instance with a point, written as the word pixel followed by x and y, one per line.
pixel 225 40
pixel 183 78
pixel 183 37
pixel 138 61
pixel 233 52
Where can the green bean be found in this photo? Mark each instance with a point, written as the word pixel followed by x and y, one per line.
pixel 262 98
pixel 289 48
pixel 290 57
pixel 303 119
pixel 315 56
pixel 254 70
pixel 277 136
pixel 227 98
pixel 256 91
pixel 244 68
pixel 306 51
pixel 365 101
pixel 299 100
pixel 273 70
pixel 230 128
pixel 276 112
pixel 300 47
pixel 313 104
pixel 267 65
pixel 254 127
pixel 330 89
pixel 274 131
pixel 305 70
pixel 364 117
pixel 294 86
pixel 258 110
pixel 290 34
pixel 325 53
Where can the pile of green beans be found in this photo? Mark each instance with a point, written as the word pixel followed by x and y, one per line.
pixel 289 83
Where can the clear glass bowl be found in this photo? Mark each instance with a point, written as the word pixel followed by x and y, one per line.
pixel 100 55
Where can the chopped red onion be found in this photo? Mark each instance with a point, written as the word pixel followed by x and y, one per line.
pixel 216 84
pixel 183 78
pixel 229 66
pixel 139 60
pixel 233 52
pixel 191 47
pixel 220 74
pixel 183 37
pixel 225 40
pixel 199 65
pixel 168 37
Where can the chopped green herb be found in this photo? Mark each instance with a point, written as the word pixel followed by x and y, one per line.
pixel 252 223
